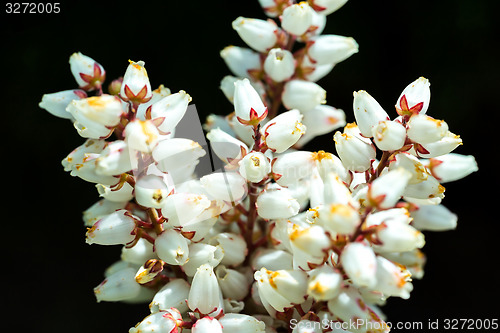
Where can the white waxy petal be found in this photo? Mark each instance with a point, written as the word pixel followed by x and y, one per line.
pixel 260 35
pixel 160 322
pixel 303 95
pixel 135 86
pixel 283 131
pixel 324 283
pixel 226 146
pixel 183 208
pixel 326 7
pixel 247 101
pixel 451 167
pixel 200 254
pixel 297 18
pixel 169 111
pixel 279 64
pixel 205 295
pixel 411 164
pixel 359 262
pixel 115 159
pixel 226 186
pixel 338 218
pixel 241 60
pixel 151 191
pixel 241 323
pixel 313 240
pixel 356 154
pixel 207 325
pixel 141 252
pixel 233 246
pixel 276 203
pixel 442 147
pixel 386 190
pixel 392 279
pixel 434 217
pixel 234 285
pixel 125 193
pixel 290 167
pixel 368 112
pixel 88 73
pixel 172 295
pixel 116 228
pixel 100 209
pixel 425 129
pixel 389 135
pixel 331 49
pixel 172 247
pixel 321 120
pixel 254 167
pixel 397 236
pixel 414 98
pixel 56 103
pixel 177 153
pixel 141 135
pixel 272 259
pixel 427 189
pixel 119 286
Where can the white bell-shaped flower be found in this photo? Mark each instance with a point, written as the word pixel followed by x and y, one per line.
pixel 241 323
pixel 415 98
pixel 434 217
pixel 95 117
pixel 312 240
pixel 135 86
pixel 273 259
pixel 141 135
pixel 205 295
pixel 254 167
pixel 241 61
pixel 226 146
pixel 302 95
pixel 427 189
pixel 248 106
pixel 321 120
pixel 389 135
pixel 360 264
pixel 172 247
pixel 56 103
pixel 356 153
pixel 331 49
pixel 326 7
pixel 138 254
pixel 100 209
pixel 200 254
pixel 283 131
pixel 176 153
pixel 118 286
pixel 115 159
pixel 233 246
pixel 297 18
pixel 279 64
pixel 324 283
pixel 290 167
pixel 424 129
pixel 169 111
pixel 120 193
pixel 260 35
pixel 386 190
pixel 116 228
pixel 172 295
pixel 337 218
pixel 438 148
pixel 233 284
pixel 88 73
pixel 151 191
pixel 207 325
pixel 368 112
pixel 392 279
pixel 160 322
pixel 283 288
pixel 411 164
pixel 451 167
pixel 183 208
pixel 226 186
pixel 277 203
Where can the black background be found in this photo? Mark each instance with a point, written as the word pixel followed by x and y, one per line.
pixel 49 271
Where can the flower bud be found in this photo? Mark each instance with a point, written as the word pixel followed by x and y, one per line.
pixel 302 95
pixel 200 254
pixel 172 295
pixel 425 129
pixel 368 112
pixel 241 61
pixel 115 86
pixel 385 191
pixel 392 279
pixel 283 131
pixel 95 117
pixel 434 217
pixel 326 7
pixel 234 285
pixel 331 49
pixel 279 64
pixel 254 167
pixel 116 228
pixel 451 167
pixel 360 264
pixel 260 35
pixel 205 295
pixel 248 106
pixel 297 18
pixel 119 286
pixel 225 186
pixel 233 246
pixel 277 203
pixel 324 283
pixel 162 322
pixel 87 72
pixel 356 154
pixel 241 323
pixel 135 86
pixel 141 135
pixel 56 103
pixel 168 111
pixel 389 135
pixel 415 98
pixel 282 288
pixel 207 325
pixel 115 159
pixel 434 149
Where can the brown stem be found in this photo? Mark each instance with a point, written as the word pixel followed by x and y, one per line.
pixel 251 217
pixel 153 216
pixel 382 164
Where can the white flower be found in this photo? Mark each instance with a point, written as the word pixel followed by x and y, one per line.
pixel 415 98
pixel 205 295
pixel 368 112
pixel 201 253
pixel 241 323
pixel 331 49
pixel 303 95
pixel 177 153
pixel 135 86
pixel 260 35
pixel 321 120
pixel 116 228
pixel 424 129
pixel 277 202
pixel 326 7
pixel 151 191
pixel 248 106
pixel 207 325
pixel 312 240
pixel 386 190
pixel 434 149
pixel 434 217
pixel 283 131
pixel 56 103
pixel 392 279
pixel 115 159
pixel 297 18
pixel 172 295
pixel 141 252
pixel 226 146
pixel 168 111
pixel 324 283
pixel 241 61
pixel 234 285
pixel 279 64
pixel 254 167
pixel 272 259
pixel 95 117
pixel 337 218
pixel 141 135
pixel 282 288
pixel 172 247
pixel 389 135
pixel 118 286
pixel 427 189
pixel 291 167
pixel 411 164
pixel 149 271
pixel 226 186
pixel 234 248
pixel 87 72
pixel 451 167
pixel 118 193
pixel 183 208
pixel 160 322
pixel 356 153
pixel 360 264
pixel 100 209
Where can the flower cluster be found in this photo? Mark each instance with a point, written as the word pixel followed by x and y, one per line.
pixel 278 235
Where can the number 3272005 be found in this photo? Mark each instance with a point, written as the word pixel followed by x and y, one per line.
pixel 32 8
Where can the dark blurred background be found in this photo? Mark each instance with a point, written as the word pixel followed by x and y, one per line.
pixel 49 271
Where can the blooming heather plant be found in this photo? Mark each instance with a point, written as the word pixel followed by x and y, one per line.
pixel 278 238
